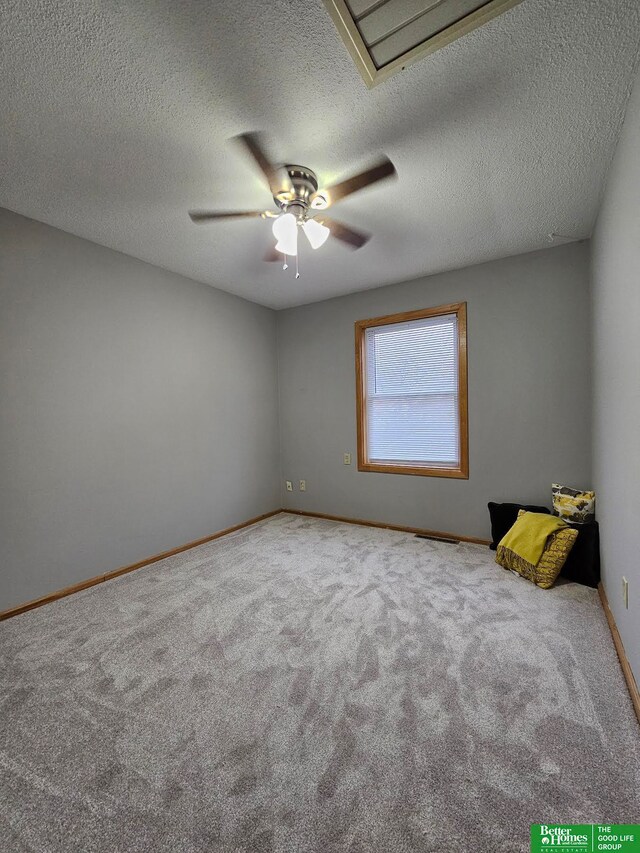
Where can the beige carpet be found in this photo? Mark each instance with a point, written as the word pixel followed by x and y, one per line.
pixel 303 686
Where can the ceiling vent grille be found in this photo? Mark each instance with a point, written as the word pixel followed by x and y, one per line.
pixel 384 36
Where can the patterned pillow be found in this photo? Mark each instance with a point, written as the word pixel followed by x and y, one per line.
pixel 572 505
pixel 550 564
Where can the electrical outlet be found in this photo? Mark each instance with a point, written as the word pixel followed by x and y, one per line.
pixel 625 592
pixel 303 485
pixel 289 486
pixel 347 459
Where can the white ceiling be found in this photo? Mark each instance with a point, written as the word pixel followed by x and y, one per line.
pixel 115 119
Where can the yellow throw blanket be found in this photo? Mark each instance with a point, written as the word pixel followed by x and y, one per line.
pixel 528 536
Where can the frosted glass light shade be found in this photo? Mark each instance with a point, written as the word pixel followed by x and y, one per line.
pixel 285 230
pixel 316 233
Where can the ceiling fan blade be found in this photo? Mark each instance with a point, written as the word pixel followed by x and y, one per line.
pixel 277 176
pixel 353 238
pixel 210 215
pixel 383 169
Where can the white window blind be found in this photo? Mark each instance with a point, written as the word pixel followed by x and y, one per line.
pixel 411 394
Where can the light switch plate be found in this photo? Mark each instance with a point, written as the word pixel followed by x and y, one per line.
pixel 347 459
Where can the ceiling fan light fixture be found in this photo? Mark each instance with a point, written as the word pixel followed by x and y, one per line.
pixel 316 233
pixel 285 230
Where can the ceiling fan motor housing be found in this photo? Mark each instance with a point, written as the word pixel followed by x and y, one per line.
pixel 305 185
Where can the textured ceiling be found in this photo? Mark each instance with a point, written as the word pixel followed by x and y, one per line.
pixel 116 116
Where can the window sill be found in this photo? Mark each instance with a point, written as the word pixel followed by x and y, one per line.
pixel 419 470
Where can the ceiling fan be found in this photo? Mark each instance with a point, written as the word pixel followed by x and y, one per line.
pixel 300 203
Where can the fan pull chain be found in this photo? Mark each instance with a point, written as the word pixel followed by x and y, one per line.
pixel 285 266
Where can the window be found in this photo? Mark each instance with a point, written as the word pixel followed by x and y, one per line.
pixel 411 372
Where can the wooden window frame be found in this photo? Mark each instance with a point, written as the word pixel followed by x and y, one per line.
pixel 462 471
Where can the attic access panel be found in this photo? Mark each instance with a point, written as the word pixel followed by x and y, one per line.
pixel 384 36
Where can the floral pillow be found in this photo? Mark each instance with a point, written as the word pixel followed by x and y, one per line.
pixel 573 505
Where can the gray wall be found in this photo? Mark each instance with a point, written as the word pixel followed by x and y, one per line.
pixel 138 410
pixel 616 371
pixel 529 394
